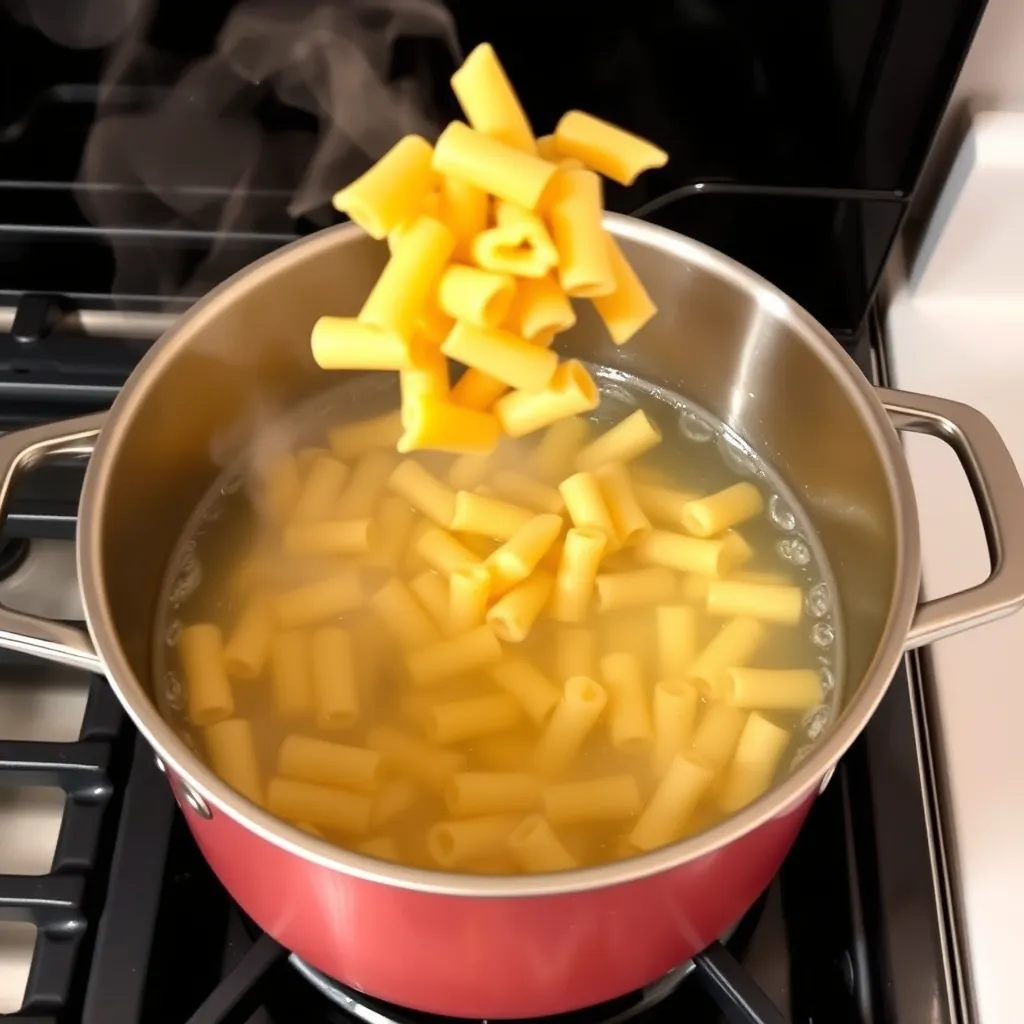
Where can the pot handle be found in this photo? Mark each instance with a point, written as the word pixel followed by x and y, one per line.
pixel 20 450
pixel 999 493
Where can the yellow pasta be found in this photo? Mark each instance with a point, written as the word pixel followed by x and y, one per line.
pixel 667 813
pixel 447 427
pixel 491 165
pixel 586 507
pixel 566 730
pixel 278 486
pixel 427 377
pixel 628 308
pixel 737 551
pixel 508 483
pixel 463 207
pixel 489 101
pixel 473 793
pixel 391 191
pixel 353 440
pixel 394 520
pixel 467 652
pixel 430 206
pixel 210 699
pixel 418 486
pixel 431 590
pixel 628 518
pixel 468 591
pixel 777 689
pixel 731 647
pixel 396 796
pixel 758 753
pixel 381 847
pixel 454 844
pixel 313 603
pixel 633 589
pixel 693 587
pixel 306 759
pixel 705 517
pixel 335 692
pixel 676 627
pixel 410 277
pixel 556 451
pixel 610 798
pixel 512 616
pixel 577 574
pixel 662 504
pixel 404 616
pixel 336 537
pixel 290 682
pixel 332 809
pixel 476 390
pixel 469 471
pixel 246 650
pixel 475 296
pixel 609 150
pixel 345 343
pixel 490 517
pixel 686 554
pixel 417 761
pixel 773 579
pixel 443 552
pixel 535 847
pixel 325 479
pixel 783 605
pixel 528 686
pixel 459 720
pixel 570 392
pixel 575 653
pixel 584 264
pixel 628 439
pixel 366 486
pixel 716 736
pixel 629 714
pixel 232 753
pixel 675 715
pixel 539 306
pixel 523 551
pixel 433 326
pixel 501 355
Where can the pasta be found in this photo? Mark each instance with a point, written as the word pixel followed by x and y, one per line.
pixel 613 152
pixel 628 439
pixel 391 191
pixel 439 642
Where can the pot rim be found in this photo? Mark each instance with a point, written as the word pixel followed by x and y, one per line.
pixel 186 765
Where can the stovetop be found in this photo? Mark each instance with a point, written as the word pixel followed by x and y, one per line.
pixel 100 874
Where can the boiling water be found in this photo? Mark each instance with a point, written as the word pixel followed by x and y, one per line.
pixel 697 454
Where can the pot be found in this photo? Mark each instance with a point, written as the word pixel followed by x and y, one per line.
pixel 494 947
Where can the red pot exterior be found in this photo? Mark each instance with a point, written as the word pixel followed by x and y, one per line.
pixel 493 958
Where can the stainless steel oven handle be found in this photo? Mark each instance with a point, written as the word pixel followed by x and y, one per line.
pixel 999 493
pixel 20 450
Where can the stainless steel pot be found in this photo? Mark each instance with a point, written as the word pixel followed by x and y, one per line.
pixel 540 944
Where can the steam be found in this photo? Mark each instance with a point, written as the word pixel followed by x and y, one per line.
pixel 187 150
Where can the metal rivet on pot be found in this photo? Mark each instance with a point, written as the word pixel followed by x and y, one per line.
pixel 826 779
pixel 160 766
pixel 195 801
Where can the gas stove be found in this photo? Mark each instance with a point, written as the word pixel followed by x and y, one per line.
pixel 147 151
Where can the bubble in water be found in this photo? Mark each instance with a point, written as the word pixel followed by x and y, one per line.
pixel 173 633
pixel 212 512
pixel 737 456
pixel 819 600
pixel 822 634
pixel 800 755
pixel 174 692
pixel 815 720
pixel 233 484
pixel 828 679
pixel 794 550
pixel 617 393
pixel 188 577
pixel 781 514
pixel 694 427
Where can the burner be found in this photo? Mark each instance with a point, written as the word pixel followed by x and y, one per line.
pixel 369 1010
